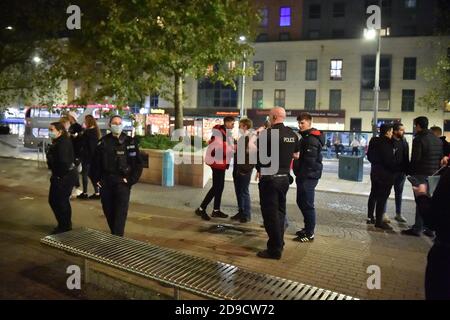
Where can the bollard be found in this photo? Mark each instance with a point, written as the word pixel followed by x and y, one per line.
pixel 168 168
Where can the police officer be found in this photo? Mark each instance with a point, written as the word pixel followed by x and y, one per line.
pixel 116 167
pixel 274 175
pixel 60 160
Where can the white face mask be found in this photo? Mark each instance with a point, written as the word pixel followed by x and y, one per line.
pixel 116 129
pixel 52 135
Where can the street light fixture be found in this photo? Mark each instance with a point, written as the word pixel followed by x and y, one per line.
pixel 37 59
pixel 9 28
pixel 372 34
pixel 242 40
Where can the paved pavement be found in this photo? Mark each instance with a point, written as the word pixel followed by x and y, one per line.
pixel 337 260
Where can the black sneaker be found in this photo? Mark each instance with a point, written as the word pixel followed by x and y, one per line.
pixel 370 221
pixel 429 233
pixel 244 220
pixel 199 211
pixel 58 230
pixel 267 255
pixel 304 238
pixel 205 216
pixel 410 232
pixel 94 196
pixel 237 216
pixel 219 214
pixel 83 196
pixel 383 225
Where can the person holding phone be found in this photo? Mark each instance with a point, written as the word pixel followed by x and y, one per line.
pixel 435 212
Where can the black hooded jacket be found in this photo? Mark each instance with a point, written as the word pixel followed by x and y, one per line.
pixel 309 165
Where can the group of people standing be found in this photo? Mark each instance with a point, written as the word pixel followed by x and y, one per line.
pixel 389 156
pixel 301 155
pixel 112 163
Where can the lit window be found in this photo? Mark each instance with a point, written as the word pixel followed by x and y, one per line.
pixel 285 16
pixel 336 70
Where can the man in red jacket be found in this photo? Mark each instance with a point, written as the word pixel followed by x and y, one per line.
pixel 218 156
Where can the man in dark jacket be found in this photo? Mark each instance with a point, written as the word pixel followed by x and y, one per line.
pixel 116 167
pixel 401 158
pixel 445 144
pixel 308 170
pixel 381 156
pixel 435 213
pixel 425 161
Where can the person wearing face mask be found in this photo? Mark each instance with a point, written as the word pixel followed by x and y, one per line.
pixel 116 167
pixel 60 160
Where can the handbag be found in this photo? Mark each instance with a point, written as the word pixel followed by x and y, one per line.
pixel 433 181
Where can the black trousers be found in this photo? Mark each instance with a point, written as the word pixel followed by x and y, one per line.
pixel 115 197
pixel 218 183
pixel 59 199
pixel 85 175
pixel 272 198
pixel 437 276
pixel 379 194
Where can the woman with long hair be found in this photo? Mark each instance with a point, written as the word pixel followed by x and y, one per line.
pixel 89 139
pixel 60 160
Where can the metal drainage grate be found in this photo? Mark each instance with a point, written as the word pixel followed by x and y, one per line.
pixel 216 280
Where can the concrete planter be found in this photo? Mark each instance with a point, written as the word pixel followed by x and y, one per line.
pixel 194 174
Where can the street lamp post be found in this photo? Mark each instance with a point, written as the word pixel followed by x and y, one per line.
pixel 376 88
pixel 242 39
pixel 242 111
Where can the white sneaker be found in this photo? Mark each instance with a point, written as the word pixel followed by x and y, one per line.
pixel 400 218
pixel 76 192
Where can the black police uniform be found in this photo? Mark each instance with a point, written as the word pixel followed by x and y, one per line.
pixel 60 160
pixel 116 159
pixel 273 188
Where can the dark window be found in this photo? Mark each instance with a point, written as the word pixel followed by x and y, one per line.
pixel 338 33
pixel 262 37
pixel 409 68
pixel 356 124
pixel 336 69
pixel 284 36
pixel 215 94
pixel 410 30
pixel 154 100
pixel 314 34
pixel 257 99
pixel 335 99
pixel 259 69
pixel 311 70
pixel 280 70
pixel 280 98
pixel 408 98
pixel 339 9
pixel 368 83
pixel 264 13
pixel 314 11
pixel 285 16
pixel 310 99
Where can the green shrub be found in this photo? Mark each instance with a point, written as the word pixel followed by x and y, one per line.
pixel 163 142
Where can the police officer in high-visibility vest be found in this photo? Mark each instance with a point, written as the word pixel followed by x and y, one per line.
pixel 116 167
pixel 274 175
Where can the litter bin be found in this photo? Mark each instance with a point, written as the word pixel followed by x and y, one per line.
pixel 168 167
pixel 351 168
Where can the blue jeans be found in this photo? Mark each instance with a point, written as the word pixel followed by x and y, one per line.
pixel 305 200
pixel 329 153
pixel 399 183
pixel 241 185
